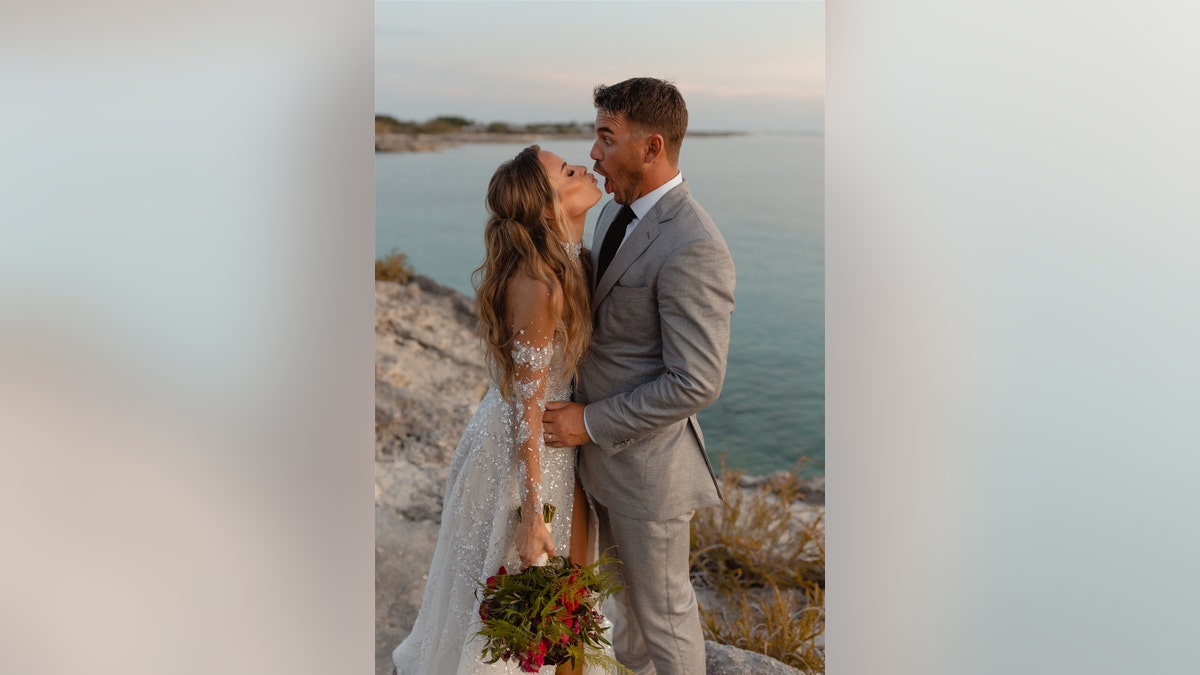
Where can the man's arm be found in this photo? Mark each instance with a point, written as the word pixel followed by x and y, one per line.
pixel 695 305
pixel 565 425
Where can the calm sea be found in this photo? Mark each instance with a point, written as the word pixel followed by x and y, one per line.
pixel 765 192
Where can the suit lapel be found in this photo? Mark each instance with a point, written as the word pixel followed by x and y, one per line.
pixel 639 240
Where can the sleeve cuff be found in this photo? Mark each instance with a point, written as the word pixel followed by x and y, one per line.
pixel 586 427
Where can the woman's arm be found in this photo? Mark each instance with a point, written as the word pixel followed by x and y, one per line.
pixel 531 311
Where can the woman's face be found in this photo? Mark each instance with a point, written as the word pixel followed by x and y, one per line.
pixel 577 189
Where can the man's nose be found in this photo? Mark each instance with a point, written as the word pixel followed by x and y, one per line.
pixel 596 151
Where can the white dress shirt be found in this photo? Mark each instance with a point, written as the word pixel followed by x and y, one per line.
pixel 642 205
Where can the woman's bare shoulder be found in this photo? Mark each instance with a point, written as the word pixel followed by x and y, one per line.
pixel 529 295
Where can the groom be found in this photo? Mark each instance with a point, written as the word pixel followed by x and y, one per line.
pixel 662 301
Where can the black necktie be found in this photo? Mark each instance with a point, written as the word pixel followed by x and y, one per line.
pixel 612 240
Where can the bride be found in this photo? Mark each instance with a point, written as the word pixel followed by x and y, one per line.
pixel 535 320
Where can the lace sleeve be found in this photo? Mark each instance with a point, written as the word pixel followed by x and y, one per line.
pixel 533 350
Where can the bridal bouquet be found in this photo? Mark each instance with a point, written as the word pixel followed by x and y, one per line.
pixel 547 615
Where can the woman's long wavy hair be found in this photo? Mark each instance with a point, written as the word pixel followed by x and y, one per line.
pixel 519 235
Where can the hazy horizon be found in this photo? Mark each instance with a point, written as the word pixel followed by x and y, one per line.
pixel 691 127
pixel 754 67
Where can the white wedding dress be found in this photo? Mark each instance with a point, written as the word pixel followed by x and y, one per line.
pixel 479 519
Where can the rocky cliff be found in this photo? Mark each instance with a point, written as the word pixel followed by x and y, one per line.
pixel 429 378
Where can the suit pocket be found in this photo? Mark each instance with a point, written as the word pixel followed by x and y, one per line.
pixel 631 312
pixel 632 294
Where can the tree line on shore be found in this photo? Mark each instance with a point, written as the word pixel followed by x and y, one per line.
pixel 455 124
pixel 447 124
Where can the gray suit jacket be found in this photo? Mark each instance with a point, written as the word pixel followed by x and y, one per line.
pixel 659 346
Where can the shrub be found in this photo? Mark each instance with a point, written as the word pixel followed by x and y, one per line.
pixel 386 124
pixel 444 124
pixel 750 541
pixel 766 561
pixel 393 267
pixel 784 625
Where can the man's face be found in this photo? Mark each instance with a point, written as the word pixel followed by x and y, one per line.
pixel 618 153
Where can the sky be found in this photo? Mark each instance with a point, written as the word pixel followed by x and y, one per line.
pixel 741 66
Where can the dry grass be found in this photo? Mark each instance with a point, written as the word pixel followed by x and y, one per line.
pixel 765 557
pixel 783 624
pixel 393 267
pixel 751 541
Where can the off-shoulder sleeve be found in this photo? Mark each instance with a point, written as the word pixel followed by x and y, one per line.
pixel 533 350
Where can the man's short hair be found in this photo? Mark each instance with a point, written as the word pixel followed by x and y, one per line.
pixel 652 104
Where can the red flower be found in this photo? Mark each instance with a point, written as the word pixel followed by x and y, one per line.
pixel 494 580
pixel 535 658
pixel 572 603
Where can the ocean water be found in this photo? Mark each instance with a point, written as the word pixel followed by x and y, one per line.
pixel 766 194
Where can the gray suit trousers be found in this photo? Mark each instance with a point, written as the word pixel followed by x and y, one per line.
pixel 656 628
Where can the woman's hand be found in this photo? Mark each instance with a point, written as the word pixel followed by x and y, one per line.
pixel 533 539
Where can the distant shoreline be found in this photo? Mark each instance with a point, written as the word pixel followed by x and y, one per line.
pixel 402 142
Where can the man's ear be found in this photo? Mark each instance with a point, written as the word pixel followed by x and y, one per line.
pixel 654 148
